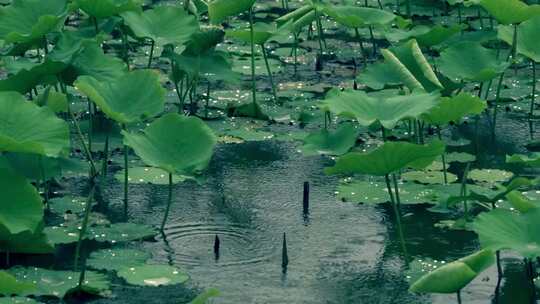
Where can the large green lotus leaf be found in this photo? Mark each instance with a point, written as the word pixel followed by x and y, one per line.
pixel 379 75
pixel 163 24
pixel 454 276
pixel 135 96
pixel 409 63
pixel 429 177
pixel 153 275
pixel 388 158
pixel 504 229
pixel 490 175
pixel 388 111
pixel 31 166
pixel 18 300
pixel 355 16
pixel 187 150
pixel 527 35
pixel 27 20
pixel 113 233
pixel 67 204
pixel 21 209
pixel 27 128
pixel 150 175
pixel 331 143
pixel 204 40
pixel 219 10
pixel 91 61
pixel 453 109
pixel 376 192
pixel 524 160
pixel 509 11
pixel 261 33
pixel 9 285
pixel 37 74
pixel 213 65
pixel 399 34
pixel 520 202
pixel 58 283
pixel 26 242
pixel 107 8
pixel 116 259
pixel 471 61
pixel 439 34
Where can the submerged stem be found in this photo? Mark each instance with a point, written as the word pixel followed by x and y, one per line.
pixel 443 157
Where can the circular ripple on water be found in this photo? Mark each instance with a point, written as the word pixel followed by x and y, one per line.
pixel 192 244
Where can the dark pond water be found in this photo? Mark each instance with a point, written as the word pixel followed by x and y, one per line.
pixel 338 253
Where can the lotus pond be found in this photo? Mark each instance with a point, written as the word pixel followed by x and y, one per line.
pixel 290 151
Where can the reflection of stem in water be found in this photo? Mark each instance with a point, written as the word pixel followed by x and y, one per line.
pixel 443 157
pixel 169 203
pixel 168 249
pixel 397 215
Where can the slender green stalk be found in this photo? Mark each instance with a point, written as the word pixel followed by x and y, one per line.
pixel 270 77
pixel 207 100
pixel 464 190
pixel 362 49
pixel 396 189
pixel 397 215
pixel 459 296
pixel 295 51
pixel 90 125
pixel 319 32
pixel 105 157
pixel 151 54
pixel 443 157
pixel 252 36
pixel 126 177
pixel 408 8
pixel 84 227
pixel 96 27
pixel 169 203
pixel 533 93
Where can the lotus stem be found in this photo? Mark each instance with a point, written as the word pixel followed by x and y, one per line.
pixel 533 93
pixel 126 178
pixel 90 125
pixel 397 214
pixel 93 168
pixel 153 43
pixel 362 49
pixel 270 77
pixel 396 189
pixel 169 203
pixel 464 191
pixel 319 32
pixel 459 296
pixel 443 157
pixel 207 100
pixel 459 13
pixel 499 266
pixel 82 231
pixel 252 36
pixel 125 46
pixel 105 157
pixel 295 52
pixel 529 268
pixel 96 27
pixel 373 43
pixel 408 8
